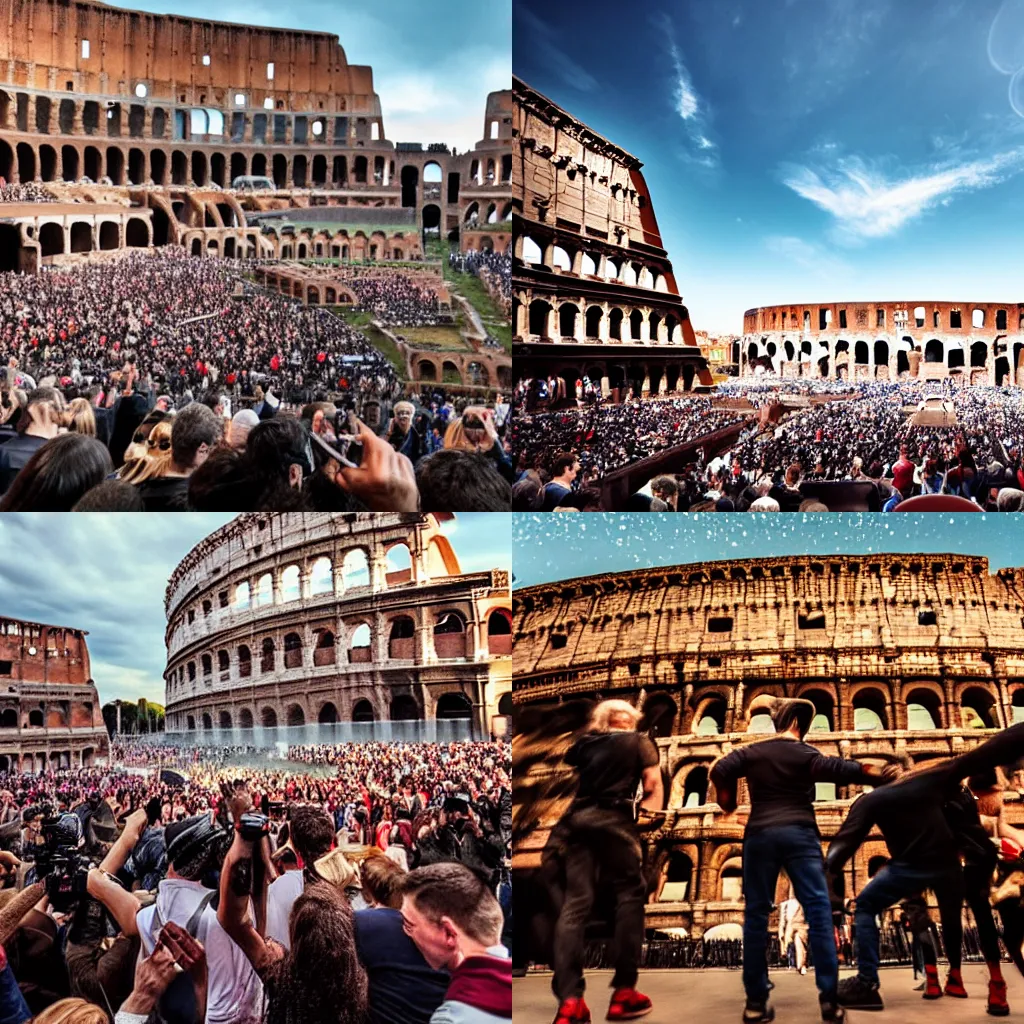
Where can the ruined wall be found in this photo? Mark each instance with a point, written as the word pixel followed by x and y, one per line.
pixel 901 654
pixel 982 341
pixel 589 266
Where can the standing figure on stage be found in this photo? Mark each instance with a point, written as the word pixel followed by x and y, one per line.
pixel 782 833
pixel 597 837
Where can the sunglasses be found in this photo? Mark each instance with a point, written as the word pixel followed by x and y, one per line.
pixel 164 446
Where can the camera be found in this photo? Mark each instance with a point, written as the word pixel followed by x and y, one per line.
pixel 276 808
pixel 61 863
pixel 254 826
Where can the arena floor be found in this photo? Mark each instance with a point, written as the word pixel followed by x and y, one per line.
pixel 717 995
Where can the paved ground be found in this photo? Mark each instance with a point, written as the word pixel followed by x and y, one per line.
pixel 711 996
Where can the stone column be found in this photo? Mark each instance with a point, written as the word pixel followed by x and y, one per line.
pixel 604 325
pixel 552 323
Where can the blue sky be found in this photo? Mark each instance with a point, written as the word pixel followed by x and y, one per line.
pixel 556 547
pixel 107 572
pixel 806 150
pixel 433 63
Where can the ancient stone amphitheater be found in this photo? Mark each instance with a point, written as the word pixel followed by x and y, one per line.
pixel 901 654
pixel 279 622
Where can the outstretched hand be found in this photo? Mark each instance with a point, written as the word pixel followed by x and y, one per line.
pixel 384 481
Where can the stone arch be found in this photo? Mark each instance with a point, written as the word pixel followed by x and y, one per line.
pixel 359 645
pixel 225 720
pixel 26 162
pixel 362 711
pixel 402 638
pixel 709 714
pixel 136 233
pixel 51 240
pixel 328 714
pixel 324 653
pixel 47 163
pixel 191 723
pixel 451 639
pixel 294 715
pixel 924 707
pixel 870 707
pixel 978 708
pixel 825 708
pixel 244 661
pixel 81 237
pixel 268 718
pixel 69 163
pixel 453 706
pixel 290 587
pixel 115 165
pixel 568 313
pixel 499 632
pixel 245 719
pixel 9 718
pixel 91 163
pixel 110 237
pixel 292 650
pixel 398 565
pixel 207 722
pixel 268 655
pixel 136 166
pixel 404 708
pixel 660 711
pixel 934 351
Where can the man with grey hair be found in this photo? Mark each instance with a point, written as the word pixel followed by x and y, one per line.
pixel 598 837
pixel 195 432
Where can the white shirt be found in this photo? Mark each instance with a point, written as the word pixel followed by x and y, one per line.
pixel 281 897
pixel 235 993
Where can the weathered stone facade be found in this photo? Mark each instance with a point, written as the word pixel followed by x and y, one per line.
pixel 981 342
pixel 50 714
pixel 162 106
pixel 901 654
pixel 288 619
pixel 592 285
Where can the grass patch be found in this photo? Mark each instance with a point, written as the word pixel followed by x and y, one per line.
pixel 446 337
pixel 471 288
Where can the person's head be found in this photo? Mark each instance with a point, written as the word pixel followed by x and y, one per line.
pixel 614 716
pixel 157 460
pixel 72 1011
pixel 765 505
pixel 793 475
pixel 214 401
pixel 79 418
pixel 564 468
pixel 321 972
pixel 223 483
pixel 195 846
pixel 312 833
pixel 196 430
pixel 450 480
pixel 875 470
pixel 241 423
pixel 382 882
pixel 336 868
pixel 665 488
pixel 527 495
pixel 725 505
pixel 450 914
pixel 403 413
pixel 280 453
pixel 137 449
pixel 164 403
pixel 58 474
pixel 43 411
pixel 111 496
pixel 812 505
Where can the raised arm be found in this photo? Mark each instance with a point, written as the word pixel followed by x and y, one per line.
pixel 233 913
pixel 852 833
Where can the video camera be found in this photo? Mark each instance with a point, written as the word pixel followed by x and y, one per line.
pixel 254 826
pixel 61 863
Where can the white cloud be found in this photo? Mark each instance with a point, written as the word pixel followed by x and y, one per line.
pixel 866 203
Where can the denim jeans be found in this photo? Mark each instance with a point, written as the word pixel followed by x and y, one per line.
pixel 894 882
pixel 797 848
pixel 13 1008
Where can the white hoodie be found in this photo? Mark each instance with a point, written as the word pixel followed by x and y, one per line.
pixel 235 993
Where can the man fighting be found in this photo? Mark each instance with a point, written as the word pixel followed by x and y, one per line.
pixel 782 832
pixel 597 836
pixel 926 822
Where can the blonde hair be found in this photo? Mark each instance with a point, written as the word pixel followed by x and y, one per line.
pixel 334 867
pixel 408 406
pixel 156 461
pixel 72 1011
pixel 80 417
pixel 602 715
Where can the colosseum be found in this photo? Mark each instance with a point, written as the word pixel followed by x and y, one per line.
pixel 294 620
pixel 876 340
pixel 50 714
pixel 593 292
pixel 912 655
pixel 156 129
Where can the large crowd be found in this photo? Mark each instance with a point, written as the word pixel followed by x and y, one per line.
pixel 493 268
pixel 115 397
pixel 834 433
pixel 354 884
pixel 29 192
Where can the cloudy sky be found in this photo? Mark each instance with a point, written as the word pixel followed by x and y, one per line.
pixel 800 151
pixel 433 63
pixel 106 573
pixel 550 547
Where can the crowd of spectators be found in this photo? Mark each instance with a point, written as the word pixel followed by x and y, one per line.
pixel 360 884
pixel 835 432
pixel 400 301
pixel 493 268
pixel 29 192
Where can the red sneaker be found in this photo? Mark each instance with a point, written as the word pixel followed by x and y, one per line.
pixel 955 986
pixel 997 1004
pixel 573 1011
pixel 628 1004
pixel 932 988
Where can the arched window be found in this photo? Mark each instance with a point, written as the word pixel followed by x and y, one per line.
pixel 453 705
pixel 296 716
pixel 321 577
pixel 328 714
pixel 323 654
pixel 924 710
pixel 207 665
pixel 869 713
pixel 225 719
pixel 399 565
pixel 267 661
pixel 245 719
pixel 290 584
pixel 696 792
pixel 499 632
pixel 678 876
pixel 977 709
pixel 761 722
pixel 268 718
pixel 359 646
pixel 264 590
pixel 191 723
pixel 244 661
pixel 710 718
pixel 450 638
pixel 9 719
pixel 355 570
pixel 404 708
pixel 660 712
pixel 362 711
pixel 223 661
pixel 402 639
pixel 292 650
pixel 207 722
pixel 191 671
pixel 242 595
pixel 505 704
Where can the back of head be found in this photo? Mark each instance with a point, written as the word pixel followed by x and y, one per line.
pixel 793 475
pixel 527 495
pixel 611 715
pixel 336 868
pixel 72 1011
pixel 111 496
pixel 222 483
pixel 561 462
pixel 195 846
pixel 274 444
pixel 457 481
pixel 664 487
pixel 58 474
pixel 43 404
pixel 312 833
pixel 764 505
pixel 81 418
pixel 382 881
pixel 194 426
pixel 451 890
